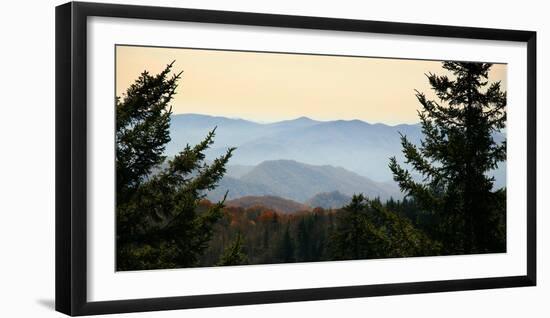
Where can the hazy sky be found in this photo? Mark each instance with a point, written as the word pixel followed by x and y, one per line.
pixel 268 87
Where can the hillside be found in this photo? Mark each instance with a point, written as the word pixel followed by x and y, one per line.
pixel 299 182
pixel 329 200
pixel 236 188
pixel 277 204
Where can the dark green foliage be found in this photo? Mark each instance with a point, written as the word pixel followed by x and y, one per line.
pixel 409 209
pixel 158 225
pixel 234 255
pixel 364 229
pixel 285 251
pixel 367 229
pixel 354 236
pixel 454 158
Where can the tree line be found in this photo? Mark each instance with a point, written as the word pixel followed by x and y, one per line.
pixel 364 229
pixel 163 221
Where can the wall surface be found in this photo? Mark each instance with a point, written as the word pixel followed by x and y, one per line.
pixel 27 158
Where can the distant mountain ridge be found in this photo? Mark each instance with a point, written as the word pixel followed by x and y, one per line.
pixel 299 182
pixel 354 145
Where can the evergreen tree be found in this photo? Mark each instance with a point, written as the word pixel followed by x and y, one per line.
pixel 234 255
pixel 455 157
pixel 265 238
pixel 400 238
pixel 286 247
pixel 304 240
pixel 156 199
pixel 353 236
pixel 366 229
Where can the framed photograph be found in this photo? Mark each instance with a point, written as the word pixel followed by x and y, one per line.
pixel 209 158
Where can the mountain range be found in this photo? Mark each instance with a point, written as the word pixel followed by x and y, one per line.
pixel 272 158
pixel 300 182
pixel 354 145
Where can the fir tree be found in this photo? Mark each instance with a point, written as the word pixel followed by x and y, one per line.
pixel 304 240
pixel 234 254
pixel 367 229
pixel 156 217
pixel 286 247
pixel 352 238
pixel 455 157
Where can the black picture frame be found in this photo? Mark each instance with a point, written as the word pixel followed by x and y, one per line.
pixel 71 157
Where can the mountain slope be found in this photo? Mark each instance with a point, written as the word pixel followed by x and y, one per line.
pixel 277 204
pixel 299 181
pixel 236 188
pixel 329 200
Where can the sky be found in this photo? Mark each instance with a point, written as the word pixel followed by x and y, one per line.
pixel 269 87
